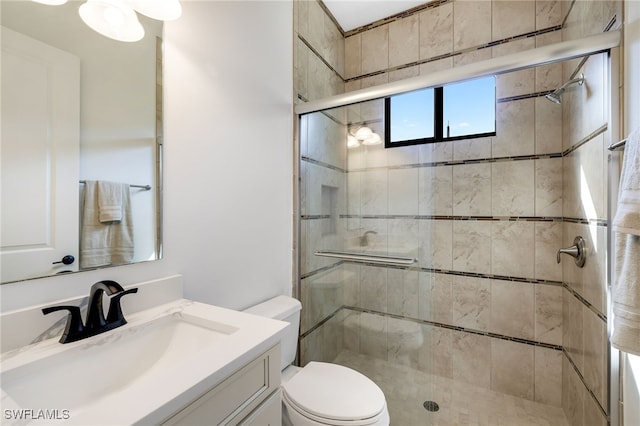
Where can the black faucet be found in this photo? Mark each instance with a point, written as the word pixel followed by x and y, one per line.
pixel 96 322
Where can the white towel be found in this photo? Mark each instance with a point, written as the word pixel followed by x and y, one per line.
pixel 626 228
pixel 110 201
pixel 108 243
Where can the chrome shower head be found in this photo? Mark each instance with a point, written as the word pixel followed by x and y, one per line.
pixel 556 95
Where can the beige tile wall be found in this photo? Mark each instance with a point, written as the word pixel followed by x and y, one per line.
pixel 406 315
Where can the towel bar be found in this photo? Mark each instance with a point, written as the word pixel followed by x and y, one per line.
pixel 617 145
pixel 367 258
pixel 145 187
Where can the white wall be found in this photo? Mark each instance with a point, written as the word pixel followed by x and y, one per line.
pixel 228 161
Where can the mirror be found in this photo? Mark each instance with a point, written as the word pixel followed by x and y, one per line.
pixel 100 98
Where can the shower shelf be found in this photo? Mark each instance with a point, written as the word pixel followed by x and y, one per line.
pixel 367 258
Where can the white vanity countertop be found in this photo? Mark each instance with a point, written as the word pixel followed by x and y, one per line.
pixel 173 375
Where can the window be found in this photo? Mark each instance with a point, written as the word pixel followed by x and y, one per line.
pixel 456 111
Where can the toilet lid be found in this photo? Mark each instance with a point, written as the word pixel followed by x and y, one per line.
pixel 334 392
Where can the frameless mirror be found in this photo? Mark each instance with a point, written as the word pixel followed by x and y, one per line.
pixel 77 108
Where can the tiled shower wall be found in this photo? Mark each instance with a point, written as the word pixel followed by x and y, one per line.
pixel 483 217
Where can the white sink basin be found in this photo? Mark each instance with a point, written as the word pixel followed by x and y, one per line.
pixel 162 359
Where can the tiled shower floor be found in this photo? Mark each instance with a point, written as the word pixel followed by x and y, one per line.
pixel 460 404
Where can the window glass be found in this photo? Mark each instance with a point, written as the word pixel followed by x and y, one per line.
pixel 469 107
pixel 412 116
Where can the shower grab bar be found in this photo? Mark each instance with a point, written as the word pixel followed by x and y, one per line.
pixel 367 258
pixel 617 145
pixel 145 187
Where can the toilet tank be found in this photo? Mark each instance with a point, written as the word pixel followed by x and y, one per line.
pixel 283 308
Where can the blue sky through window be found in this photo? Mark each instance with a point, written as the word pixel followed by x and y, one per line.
pixel 469 108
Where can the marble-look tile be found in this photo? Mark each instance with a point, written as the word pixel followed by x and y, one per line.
pixel 301 68
pixel 333 48
pixel 435 66
pixel 595 355
pixel 472 56
pixel 403 292
pixel 511 248
pixel 351 333
pixel 472 189
pixel 315 25
pixel 436 31
pixel 548 13
pixel 435 191
pixel 470 149
pixel 403 237
pixel 548 376
pixel 511 18
pixel 512 188
pixel 547 127
pixel 515 123
pixel 548 77
pixel 573 326
pixel 375 49
pixel 516 82
pixel 373 335
pixel 401 74
pixel 434 152
pixel 470 23
pixel 548 187
pixel 472 302
pixel 512 368
pixel 436 244
pixel 353 56
pixel 404 340
pixel 351 284
pixel 373 288
pixel 472 246
pixel 471 358
pixel 573 395
pixel 403 155
pixel 548 239
pixel 322 296
pixel 461 403
pixel 512 305
pixel 594 272
pixel 593 414
pixel 435 356
pixel 436 297
pixel 373 192
pixel 548 314
pixel 354 199
pixel 404 43
pixel 403 191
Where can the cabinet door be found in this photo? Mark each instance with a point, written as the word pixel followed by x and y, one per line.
pixel 235 398
pixel 268 414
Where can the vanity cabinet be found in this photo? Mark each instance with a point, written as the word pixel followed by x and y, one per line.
pixel 250 396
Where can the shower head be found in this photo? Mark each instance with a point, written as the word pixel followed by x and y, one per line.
pixel 556 95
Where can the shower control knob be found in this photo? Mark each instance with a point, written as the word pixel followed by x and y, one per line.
pixel 67 260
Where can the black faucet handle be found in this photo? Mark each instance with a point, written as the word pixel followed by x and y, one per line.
pixel 74 329
pixel 115 316
pixel 95 313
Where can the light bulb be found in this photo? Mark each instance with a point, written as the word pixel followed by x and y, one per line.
pixel 352 142
pixel 113 19
pixel 374 139
pixel 363 133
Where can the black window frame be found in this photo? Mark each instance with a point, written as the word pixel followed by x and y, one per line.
pixel 438 117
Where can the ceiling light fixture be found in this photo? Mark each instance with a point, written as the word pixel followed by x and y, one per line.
pixel 51 2
pixel 112 18
pixel 162 10
pixel 365 136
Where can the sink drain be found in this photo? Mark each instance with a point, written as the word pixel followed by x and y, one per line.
pixel 431 406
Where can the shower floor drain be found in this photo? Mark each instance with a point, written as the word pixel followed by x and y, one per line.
pixel 431 406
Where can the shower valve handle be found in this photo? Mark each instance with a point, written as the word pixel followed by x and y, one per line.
pixel 577 251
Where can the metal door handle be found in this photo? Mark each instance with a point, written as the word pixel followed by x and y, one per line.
pixel 576 251
pixel 67 260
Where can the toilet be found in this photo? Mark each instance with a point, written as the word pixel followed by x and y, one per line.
pixel 320 393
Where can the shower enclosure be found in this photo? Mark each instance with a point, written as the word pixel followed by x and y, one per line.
pixel 432 268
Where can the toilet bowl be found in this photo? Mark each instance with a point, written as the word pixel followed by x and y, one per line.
pixel 321 393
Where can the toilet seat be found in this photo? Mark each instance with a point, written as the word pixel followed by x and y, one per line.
pixel 332 394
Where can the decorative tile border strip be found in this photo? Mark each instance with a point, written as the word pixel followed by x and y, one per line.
pixel 600 130
pixel 585 302
pixel 433 324
pixel 322 164
pixel 457 53
pixel 319 56
pixel 584 383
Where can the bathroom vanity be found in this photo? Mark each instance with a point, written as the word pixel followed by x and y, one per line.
pixel 180 362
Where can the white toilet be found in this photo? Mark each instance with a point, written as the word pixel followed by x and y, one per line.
pixel 321 393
